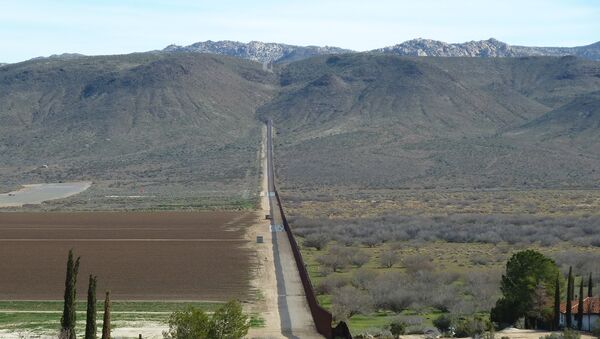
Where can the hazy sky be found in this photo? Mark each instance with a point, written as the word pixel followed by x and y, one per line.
pixel 30 28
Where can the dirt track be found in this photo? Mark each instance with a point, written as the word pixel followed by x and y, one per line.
pixel 138 256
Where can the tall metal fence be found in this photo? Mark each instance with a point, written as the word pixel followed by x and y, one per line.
pixel 322 318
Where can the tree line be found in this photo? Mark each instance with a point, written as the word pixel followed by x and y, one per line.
pixel 69 316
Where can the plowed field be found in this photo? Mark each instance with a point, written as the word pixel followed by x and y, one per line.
pixel 138 256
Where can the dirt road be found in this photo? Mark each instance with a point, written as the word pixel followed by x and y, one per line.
pixel 286 311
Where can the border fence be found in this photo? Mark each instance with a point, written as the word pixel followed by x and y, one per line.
pixel 322 318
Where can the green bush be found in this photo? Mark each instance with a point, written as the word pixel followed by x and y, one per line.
pixel 472 326
pixel 398 328
pixel 443 323
pixel 188 324
pixel 228 322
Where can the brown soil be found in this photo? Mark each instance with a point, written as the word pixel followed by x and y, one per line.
pixel 138 256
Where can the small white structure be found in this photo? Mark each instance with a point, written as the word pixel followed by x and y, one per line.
pixel 591 313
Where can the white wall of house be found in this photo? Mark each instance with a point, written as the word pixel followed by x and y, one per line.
pixel 593 318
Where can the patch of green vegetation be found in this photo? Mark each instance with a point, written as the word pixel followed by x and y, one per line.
pixel 44 316
pixel 117 306
pixel 362 322
pixel 256 320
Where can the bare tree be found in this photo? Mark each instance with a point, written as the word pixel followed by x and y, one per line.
pixel 348 301
pixel 388 258
pixel 317 241
pixel 359 258
pixel 336 258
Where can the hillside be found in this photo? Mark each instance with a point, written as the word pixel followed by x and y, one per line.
pixel 370 121
pixel 168 123
pixel 180 126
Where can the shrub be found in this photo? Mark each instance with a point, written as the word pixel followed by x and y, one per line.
pixel 228 321
pixel 348 301
pixel 388 258
pixel 188 323
pixel 359 258
pixel 472 326
pixel 316 240
pixel 417 263
pixel 337 258
pixel 363 278
pixel 331 283
pixel 443 323
pixel 397 328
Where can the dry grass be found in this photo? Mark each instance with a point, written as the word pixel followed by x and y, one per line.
pixel 434 202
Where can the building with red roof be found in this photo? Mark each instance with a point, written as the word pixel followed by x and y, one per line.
pixel 591 312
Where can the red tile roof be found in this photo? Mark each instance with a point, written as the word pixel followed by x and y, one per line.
pixel 594 302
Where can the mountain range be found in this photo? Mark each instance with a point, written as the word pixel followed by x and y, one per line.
pixel 282 53
pixel 486 48
pixel 181 122
pixel 285 53
pixel 258 51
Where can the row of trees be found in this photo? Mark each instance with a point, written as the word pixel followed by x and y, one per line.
pixel 569 303
pixel 530 279
pixel 69 316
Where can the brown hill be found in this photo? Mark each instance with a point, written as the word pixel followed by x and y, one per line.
pixel 384 122
pixel 145 119
pixel 186 124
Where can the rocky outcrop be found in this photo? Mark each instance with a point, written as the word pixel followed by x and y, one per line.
pixel 485 48
pixel 257 51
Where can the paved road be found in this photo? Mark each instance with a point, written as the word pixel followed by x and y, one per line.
pixel 296 320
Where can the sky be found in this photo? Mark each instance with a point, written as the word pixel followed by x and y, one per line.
pixel 31 28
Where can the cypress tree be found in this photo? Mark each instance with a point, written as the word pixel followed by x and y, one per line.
pixel 106 320
pixel 580 307
pixel 590 295
pixel 556 322
pixel 90 320
pixel 67 322
pixel 569 305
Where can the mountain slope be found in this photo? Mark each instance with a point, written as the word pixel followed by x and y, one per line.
pixel 576 124
pixel 143 118
pixel 257 51
pixel 369 121
pixel 187 124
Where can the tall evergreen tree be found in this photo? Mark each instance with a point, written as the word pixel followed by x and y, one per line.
pixel 556 322
pixel 569 322
pixel 590 295
pixel 580 307
pixel 67 322
pixel 90 320
pixel 106 320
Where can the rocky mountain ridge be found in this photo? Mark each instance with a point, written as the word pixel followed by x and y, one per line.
pixel 282 53
pixel 271 52
pixel 257 50
pixel 485 48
